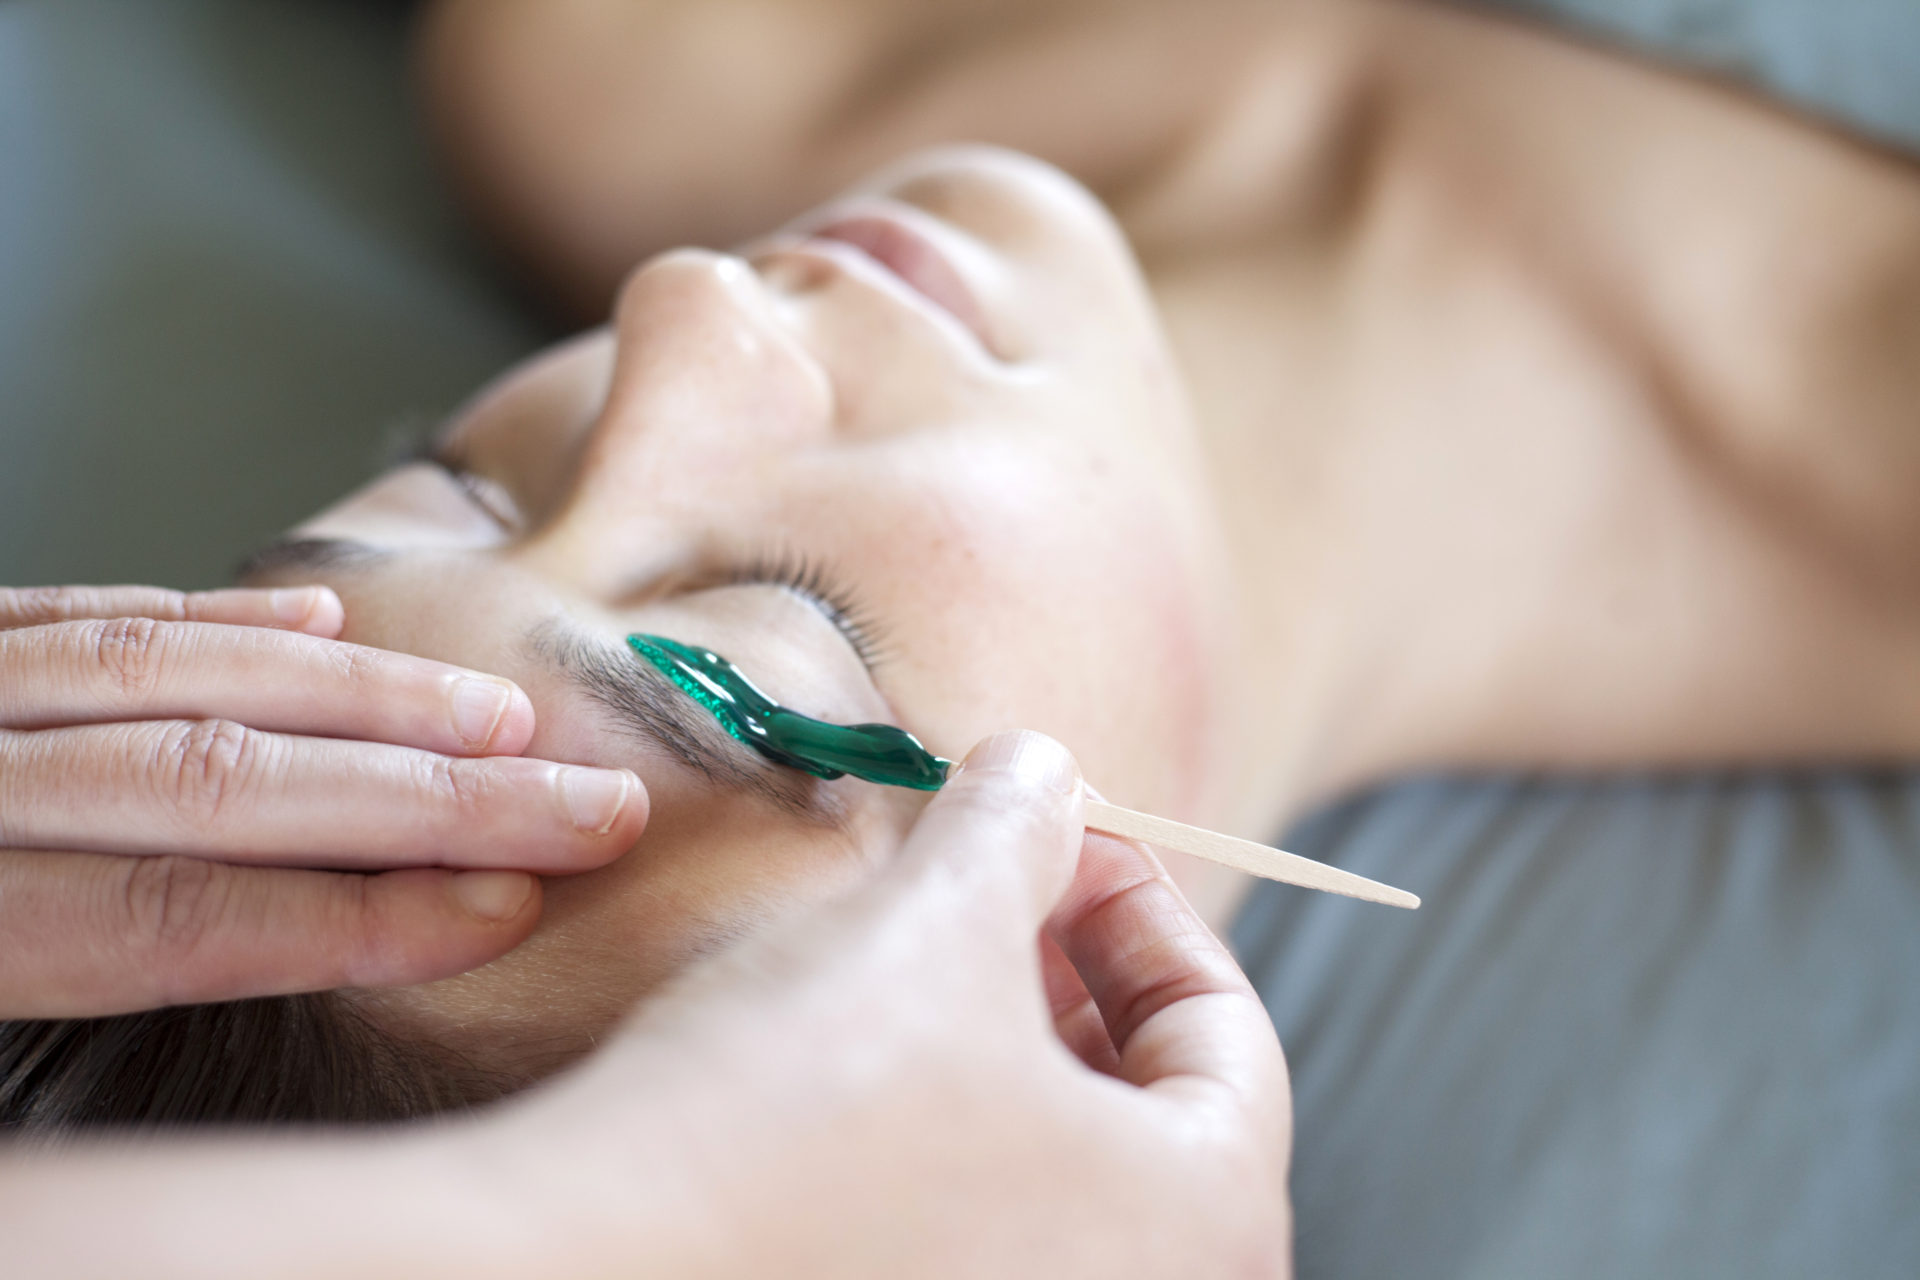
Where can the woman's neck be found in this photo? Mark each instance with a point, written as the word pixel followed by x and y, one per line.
pixel 1534 383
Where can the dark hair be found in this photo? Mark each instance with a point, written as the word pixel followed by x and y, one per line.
pixel 299 1059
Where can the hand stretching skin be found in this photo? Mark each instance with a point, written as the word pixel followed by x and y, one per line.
pixel 882 1089
pixel 173 767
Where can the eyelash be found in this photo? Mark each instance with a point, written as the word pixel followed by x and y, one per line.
pixel 798 573
pixel 417 442
pixel 810 580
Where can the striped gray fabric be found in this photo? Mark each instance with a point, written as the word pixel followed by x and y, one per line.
pixel 1642 1027
pixel 1639 1028
pixel 1852 61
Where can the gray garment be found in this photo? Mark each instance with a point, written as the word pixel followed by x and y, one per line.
pixel 1856 62
pixel 1639 1029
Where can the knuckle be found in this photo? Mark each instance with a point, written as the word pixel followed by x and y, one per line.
pixel 171 906
pixel 43 606
pixel 356 665
pixel 206 766
pixel 350 918
pixel 461 787
pixel 35 605
pixel 38 606
pixel 130 653
pixel 1004 807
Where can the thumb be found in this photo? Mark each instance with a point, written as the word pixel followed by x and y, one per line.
pixel 963 901
pixel 995 848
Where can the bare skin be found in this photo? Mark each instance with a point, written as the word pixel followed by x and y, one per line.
pixel 192 787
pixel 1130 1116
pixel 1554 407
pixel 1591 377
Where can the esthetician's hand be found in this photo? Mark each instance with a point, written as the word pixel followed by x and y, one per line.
pixel 172 767
pixel 878 1091
pixel 886 1090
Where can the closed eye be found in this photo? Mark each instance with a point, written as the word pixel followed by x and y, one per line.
pixel 809 579
pixel 793 571
pixel 489 496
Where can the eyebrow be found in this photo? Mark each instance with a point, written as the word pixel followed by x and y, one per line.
pixel 640 698
pixel 651 706
pixel 306 555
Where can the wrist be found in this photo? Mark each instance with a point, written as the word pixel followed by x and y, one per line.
pixel 577 1180
pixel 397 1204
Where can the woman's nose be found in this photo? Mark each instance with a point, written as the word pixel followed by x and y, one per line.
pixel 706 375
pixel 710 393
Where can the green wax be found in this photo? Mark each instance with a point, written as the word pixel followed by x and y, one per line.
pixel 880 753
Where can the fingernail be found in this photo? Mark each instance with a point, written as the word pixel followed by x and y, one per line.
pixel 493 896
pixel 595 797
pixel 1034 758
pixel 478 705
pixel 292 605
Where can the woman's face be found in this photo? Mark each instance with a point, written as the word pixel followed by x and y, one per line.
pixel 920 457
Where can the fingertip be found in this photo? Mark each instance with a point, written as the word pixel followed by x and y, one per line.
pixel 514 733
pixel 312 609
pixel 1109 865
pixel 639 809
pixel 427 924
pixel 490 715
pixel 611 804
pixel 1026 759
pixel 1013 807
pixel 326 613
pixel 495 897
pixel 604 812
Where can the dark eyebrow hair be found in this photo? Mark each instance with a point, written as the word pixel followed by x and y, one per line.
pixel 648 704
pixel 644 701
pixel 305 555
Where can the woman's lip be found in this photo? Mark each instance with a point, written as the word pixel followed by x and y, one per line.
pixel 916 258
